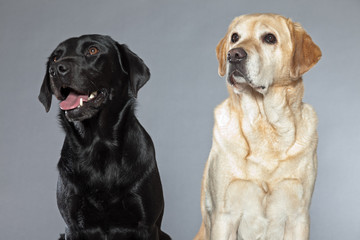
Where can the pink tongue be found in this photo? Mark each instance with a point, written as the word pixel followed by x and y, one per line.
pixel 72 101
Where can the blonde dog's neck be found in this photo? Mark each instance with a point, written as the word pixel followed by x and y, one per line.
pixel 269 120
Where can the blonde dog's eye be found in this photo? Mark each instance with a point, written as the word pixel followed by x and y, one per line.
pixel 234 38
pixel 270 38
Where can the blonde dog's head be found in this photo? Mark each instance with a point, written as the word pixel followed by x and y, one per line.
pixel 262 50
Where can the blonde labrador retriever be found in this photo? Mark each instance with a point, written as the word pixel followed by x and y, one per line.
pixel 260 175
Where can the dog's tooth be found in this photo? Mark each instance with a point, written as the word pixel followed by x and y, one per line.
pixel 93 95
pixel 81 102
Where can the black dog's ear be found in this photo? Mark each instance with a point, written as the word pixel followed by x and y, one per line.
pixel 45 91
pixel 134 66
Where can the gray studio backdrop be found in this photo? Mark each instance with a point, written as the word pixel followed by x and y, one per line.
pixel 177 40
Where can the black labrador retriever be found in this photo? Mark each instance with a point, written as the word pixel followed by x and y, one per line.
pixel 109 185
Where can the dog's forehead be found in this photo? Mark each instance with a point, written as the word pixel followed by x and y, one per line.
pixel 72 44
pixel 259 24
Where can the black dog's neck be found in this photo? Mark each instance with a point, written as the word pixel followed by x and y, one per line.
pixel 104 126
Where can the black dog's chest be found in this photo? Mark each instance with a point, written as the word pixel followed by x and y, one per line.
pixel 98 166
pixel 100 156
pixel 94 207
pixel 92 192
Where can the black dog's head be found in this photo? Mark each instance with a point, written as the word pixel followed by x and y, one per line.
pixel 85 73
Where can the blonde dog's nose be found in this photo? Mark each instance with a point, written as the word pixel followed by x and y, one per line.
pixel 236 55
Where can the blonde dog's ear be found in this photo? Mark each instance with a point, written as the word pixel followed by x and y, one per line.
pixel 305 52
pixel 221 52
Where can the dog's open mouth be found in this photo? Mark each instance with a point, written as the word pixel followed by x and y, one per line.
pixel 79 106
pixel 75 100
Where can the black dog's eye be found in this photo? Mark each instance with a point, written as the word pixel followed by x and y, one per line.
pixel 93 50
pixel 56 55
pixel 234 38
pixel 270 38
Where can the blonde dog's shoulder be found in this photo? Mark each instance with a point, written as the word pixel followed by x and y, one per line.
pixel 227 131
pixel 223 113
pixel 309 114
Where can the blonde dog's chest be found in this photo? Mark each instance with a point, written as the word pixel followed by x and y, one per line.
pixel 264 167
pixel 252 150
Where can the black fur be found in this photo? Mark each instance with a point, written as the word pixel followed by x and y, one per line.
pixel 109 187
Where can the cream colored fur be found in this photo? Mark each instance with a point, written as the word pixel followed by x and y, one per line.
pixel 260 174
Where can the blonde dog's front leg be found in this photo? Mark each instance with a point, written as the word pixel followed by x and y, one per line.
pixel 223 227
pixel 287 212
pixel 241 214
pixel 217 224
pixel 248 197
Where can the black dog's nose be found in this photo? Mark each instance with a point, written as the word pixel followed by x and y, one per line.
pixel 62 69
pixel 235 55
pixel 52 71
